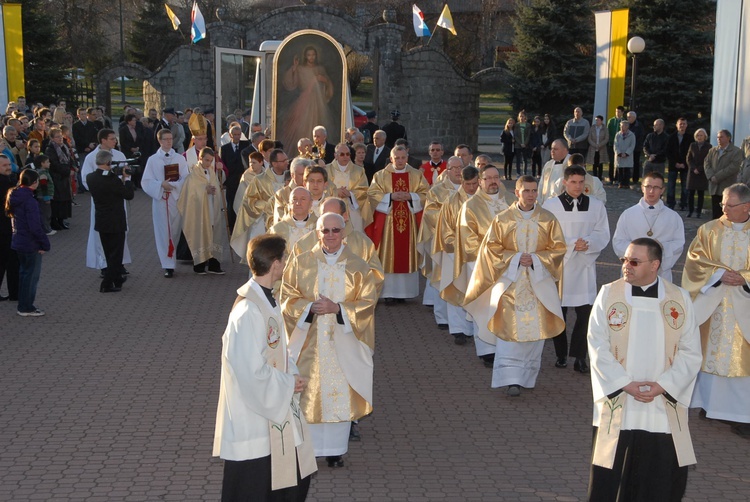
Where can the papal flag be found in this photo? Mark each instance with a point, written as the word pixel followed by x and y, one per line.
pixel 198 29
pixel 172 17
pixel 446 20
pixel 420 27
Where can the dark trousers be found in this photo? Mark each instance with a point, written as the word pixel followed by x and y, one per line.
pixel 597 166
pixel 30 268
pixel 8 266
pixel 625 174
pixel 536 163
pixel 636 165
pixel 522 156
pixel 672 176
pixel 578 346
pixel 113 245
pixel 508 165
pixel 691 196
pixel 250 481
pixel 716 207
pixel 645 470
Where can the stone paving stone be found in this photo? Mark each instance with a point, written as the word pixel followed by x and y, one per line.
pixel 113 397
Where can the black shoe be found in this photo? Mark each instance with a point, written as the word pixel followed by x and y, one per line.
pixel 335 461
pixel 124 271
pixel 119 282
pixel 354 434
pixel 169 273
pixel 581 367
pixel 109 289
pixel 215 270
pixel 64 224
pixel 488 360
pixel 561 362
pixel 742 430
pixel 442 326
pixel 199 269
pixel 514 390
pixel 460 339
pixel 4 298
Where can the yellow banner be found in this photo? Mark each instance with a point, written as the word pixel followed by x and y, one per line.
pixel 14 50
pixel 618 60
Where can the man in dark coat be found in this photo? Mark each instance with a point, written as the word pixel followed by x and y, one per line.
pixel 394 130
pixel 678 146
pixel 108 192
pixel 231 155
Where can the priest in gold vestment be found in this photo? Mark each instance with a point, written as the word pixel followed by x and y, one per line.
pixel 717 276
pixel 281 197
pixel 329 296
pixel 348 182
pixel 438 195
pixel 397 195
pixel 201 206
pixel 513 291
pixel 443 252
pixel 474 220
pixel 299 220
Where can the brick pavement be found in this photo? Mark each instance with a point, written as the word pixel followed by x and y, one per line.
pixel 113 397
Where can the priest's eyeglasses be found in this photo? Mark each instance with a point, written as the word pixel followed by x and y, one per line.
pixel 326 231
pixel 632 262
pixel 731 205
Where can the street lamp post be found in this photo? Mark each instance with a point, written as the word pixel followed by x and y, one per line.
pixel 636 45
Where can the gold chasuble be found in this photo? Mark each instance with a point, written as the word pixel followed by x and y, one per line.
pixel 395 234
pixel 354 179
pixel 289 229
pixel 203 221
pixel 438 195
pixel 474 218
pixel 337 358
pixel 251 219
pixel 444 247
pixel 281 201
pixel 518 304
pixel 723 312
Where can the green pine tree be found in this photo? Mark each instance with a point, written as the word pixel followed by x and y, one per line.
pixel 675 71
pixel 45 60
pixel 153 38
pixel 554 67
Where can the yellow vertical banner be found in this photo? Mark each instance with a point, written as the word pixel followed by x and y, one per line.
pixel 13 50
pixel 618 60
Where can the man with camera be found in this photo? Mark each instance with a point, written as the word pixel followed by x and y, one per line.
pixel 109 192
pixel 95 256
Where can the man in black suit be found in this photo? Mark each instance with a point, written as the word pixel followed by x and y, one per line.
pixel 108 192
pixel 231 155
pixel 84 135
pixel 167 119
pixel 377 155
pixel 678 146
pixel 254 146
pixel 320 136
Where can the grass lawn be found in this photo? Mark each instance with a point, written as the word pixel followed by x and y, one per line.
pixel 133 94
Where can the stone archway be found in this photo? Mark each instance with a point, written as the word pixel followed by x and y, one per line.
pixel 105 76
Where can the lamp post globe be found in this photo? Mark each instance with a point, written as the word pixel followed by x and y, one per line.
pixel 636 45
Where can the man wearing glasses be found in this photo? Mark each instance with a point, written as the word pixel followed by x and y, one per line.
pixel 645 353
pixel 717 271
pixel 328 297
pixel 652 218
pixel 350 184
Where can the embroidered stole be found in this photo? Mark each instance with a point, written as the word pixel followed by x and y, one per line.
pixel 619 315
pixel 284 456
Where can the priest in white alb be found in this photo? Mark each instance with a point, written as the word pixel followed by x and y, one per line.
pixel 552 172
pixel 162 180
pixel 260 432
pixel 645 353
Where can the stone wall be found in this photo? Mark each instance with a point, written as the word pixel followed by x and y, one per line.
pixel 186 79
pixel 436 101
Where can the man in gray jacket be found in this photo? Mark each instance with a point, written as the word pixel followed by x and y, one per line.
pixel 722 165
pixel 576 133
pixel 624 147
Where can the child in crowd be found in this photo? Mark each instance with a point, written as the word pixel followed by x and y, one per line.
pixel 34 148
pixel 44 192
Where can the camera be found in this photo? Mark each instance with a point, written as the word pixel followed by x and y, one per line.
pixel 127 166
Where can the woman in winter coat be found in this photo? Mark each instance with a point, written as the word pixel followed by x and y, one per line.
pixel 508 139
pixel 29 240
pixel 598 139
pixel 696 176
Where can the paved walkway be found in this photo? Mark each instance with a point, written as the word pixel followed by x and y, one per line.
pixel 113 397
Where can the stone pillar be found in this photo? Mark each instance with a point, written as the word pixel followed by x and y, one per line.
pixel 387 38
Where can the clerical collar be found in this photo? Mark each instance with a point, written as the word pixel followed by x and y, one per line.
pixel 648 207
pixel 269 295
pixel 648 291
pixel 494 196
pixel 397 169
pixel 435 164
pixel 739 226
pixel 526 210
pixel 343 168
pixel 559 161
pixel 334 254
pixel 567 201
pixel 166 154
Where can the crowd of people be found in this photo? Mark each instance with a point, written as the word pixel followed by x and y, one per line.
pixel 328 229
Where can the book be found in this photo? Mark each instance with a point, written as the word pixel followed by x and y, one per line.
pixel 171 172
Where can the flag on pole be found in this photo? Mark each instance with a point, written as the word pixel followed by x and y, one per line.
pixel 420 28
pixel 172 17
pixel 198 30
pixel 446 20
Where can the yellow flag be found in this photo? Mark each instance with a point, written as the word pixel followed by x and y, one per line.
pixel 172 17
pixel 446 20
